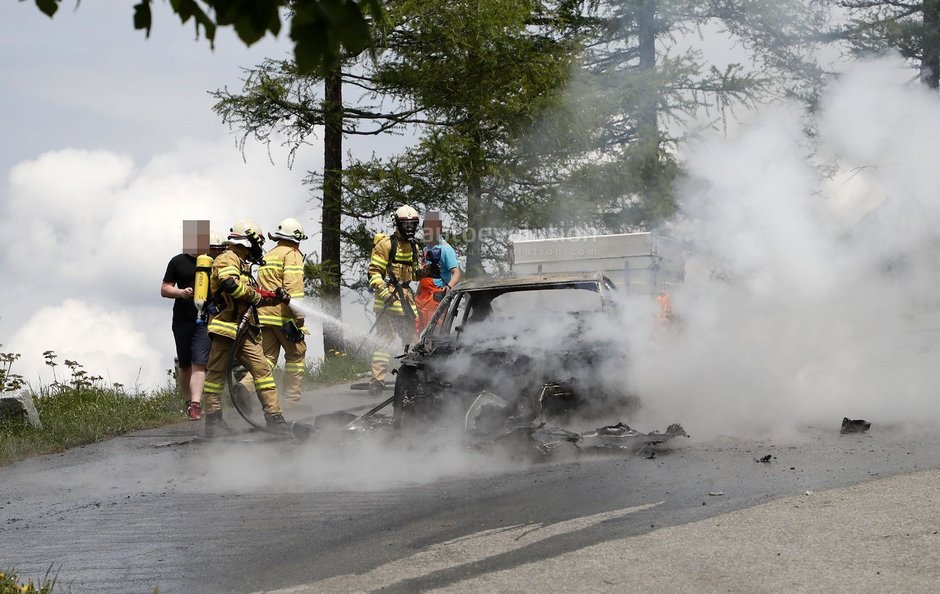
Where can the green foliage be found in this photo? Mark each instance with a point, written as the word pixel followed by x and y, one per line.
pixel 11 583
pixel 81 409
pixel 909 27
pixel 484 73
pixel 9 381
pixel 513 56
pixel 322 30
pixel 338 367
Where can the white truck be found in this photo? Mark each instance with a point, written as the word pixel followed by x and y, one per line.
pixel 638 263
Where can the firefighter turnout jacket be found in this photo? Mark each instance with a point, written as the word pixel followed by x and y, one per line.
pixel 283 268
pixel 383 265
pixel 228 265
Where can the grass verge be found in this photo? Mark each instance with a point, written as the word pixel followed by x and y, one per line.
pixel 10 583
pixel 74 416
pixel 80 409
pixel 335 369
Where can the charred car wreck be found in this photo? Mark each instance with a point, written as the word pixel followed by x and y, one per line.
pixel 523 356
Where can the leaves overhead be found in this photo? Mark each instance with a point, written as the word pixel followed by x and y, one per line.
pixel 323 31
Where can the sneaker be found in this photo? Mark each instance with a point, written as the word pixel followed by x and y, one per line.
pixel 376 388
pixel 276 423
pixel 193 410
pixel 216 425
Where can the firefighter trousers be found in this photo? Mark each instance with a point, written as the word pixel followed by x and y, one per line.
pixel 273 340
pixel 389 327
pixel 251 355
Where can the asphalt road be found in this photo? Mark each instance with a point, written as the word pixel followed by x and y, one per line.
pixel 159 509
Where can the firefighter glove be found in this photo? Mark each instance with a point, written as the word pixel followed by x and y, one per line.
pixel 387 295
pixel 268 297
pixel 282 295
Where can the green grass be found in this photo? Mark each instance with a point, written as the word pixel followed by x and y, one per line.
pixel 82 410
pixel 10 583
pixel 77 415
pixel 336 369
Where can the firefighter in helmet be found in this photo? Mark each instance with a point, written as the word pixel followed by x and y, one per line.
pixel 234 294
pixel 283 270
pixel 392 267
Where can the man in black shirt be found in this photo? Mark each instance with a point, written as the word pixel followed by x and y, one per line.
pixel 192 340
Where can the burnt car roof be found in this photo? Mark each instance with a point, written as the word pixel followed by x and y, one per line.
pixel 530 280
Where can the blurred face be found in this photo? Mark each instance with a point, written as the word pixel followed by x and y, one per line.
pixel 195 237
pixel 432 230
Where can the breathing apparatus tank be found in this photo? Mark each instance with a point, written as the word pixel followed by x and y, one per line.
pixel 201 286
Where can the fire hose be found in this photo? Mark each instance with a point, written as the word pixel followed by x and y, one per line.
pixel 299 431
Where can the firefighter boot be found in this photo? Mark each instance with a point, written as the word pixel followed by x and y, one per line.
pixel 277 424
pixel 216 425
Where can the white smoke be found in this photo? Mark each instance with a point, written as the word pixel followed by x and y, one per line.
pixel 87 237
pixel 824 300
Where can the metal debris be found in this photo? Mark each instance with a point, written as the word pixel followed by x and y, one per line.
pixel 166 444
pixel 544 440
pixel 764 459
pixel 854 426
pixel 622 436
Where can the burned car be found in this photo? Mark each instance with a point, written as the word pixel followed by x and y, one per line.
pixel 517 351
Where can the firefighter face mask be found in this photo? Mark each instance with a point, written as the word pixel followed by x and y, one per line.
pixel 407 228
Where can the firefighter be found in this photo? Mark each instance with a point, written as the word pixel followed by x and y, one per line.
pixel 233 295
pixel 283 269
pixel 392 267
pixel 439 270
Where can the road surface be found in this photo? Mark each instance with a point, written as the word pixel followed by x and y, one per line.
pixel 160 509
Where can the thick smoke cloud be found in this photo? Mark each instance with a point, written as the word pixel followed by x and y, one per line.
pixel 816 296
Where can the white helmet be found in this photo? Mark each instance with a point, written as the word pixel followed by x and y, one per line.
pixel 289 229
pixel 216 242
pixel 406 221
pixel 245 232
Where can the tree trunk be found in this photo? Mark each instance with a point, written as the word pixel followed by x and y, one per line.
pixel 647 130
pixel 930 62
pixel 332 210
pixel 476 220
pixel 647 121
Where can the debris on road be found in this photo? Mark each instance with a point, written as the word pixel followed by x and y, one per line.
pixel 854 426
pixel 548 440
pixel 716 494
pixel 166 444
pixel 764 459
pixel 622 436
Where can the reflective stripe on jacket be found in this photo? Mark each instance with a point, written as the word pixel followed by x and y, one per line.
pixel 229 265
pixel 404 267
pixel 283 268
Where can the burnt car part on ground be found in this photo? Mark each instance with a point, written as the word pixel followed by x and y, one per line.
pixel 854 425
